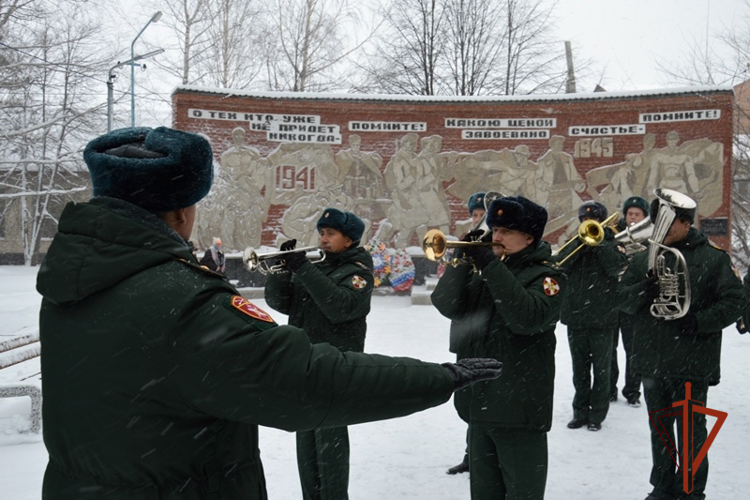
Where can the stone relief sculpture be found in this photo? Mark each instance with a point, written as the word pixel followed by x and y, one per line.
pixel 409 196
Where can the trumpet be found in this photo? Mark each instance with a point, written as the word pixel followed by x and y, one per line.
pixel 435 244
pixel 590 233
pixel 273 262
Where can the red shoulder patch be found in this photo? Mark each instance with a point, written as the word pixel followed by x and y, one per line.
pixel 246 307
pixel 550 286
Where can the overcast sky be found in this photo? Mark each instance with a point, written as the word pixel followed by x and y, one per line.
pixel 630 37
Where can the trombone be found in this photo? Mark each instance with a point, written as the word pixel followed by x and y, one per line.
pixel 264 262
pixel 590 233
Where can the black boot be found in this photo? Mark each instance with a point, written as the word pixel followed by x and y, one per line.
pixel 577 423
pixel 460 468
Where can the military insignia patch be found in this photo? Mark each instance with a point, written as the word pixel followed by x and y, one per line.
pixel 246 307
pixel 550 286
pixel 358 282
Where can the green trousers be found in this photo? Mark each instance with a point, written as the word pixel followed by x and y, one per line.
pixel 660 394
pixel 507 464
pixel 591 349
pixel 323 463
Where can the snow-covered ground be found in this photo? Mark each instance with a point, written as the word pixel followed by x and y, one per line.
pixel 407 458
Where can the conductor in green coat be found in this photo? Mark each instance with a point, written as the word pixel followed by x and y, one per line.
pixel 330 300
pixel 156 372
pixel 508 311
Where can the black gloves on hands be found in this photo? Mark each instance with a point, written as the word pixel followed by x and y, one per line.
pixel 470 370
pixel 687 324
pixel 481 256
pixel 649 288
pixel 292 261
pixel 288 245
pixel 295 260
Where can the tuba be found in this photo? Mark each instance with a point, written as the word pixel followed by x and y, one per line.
pixel 674 283
pixel 273 262
pixel 633 236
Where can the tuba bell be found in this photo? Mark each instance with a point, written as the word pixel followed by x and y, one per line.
pixel 674 283
pixel 633 236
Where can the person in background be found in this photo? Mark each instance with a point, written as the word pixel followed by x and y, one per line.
pixel 590 311
pixel 506 301
pixel 476 211
pixel 634 210
pixel 214 258
pixel 330 300
pixel 156 371
pixel 670 353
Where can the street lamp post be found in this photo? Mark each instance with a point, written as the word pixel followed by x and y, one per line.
pixel 153 19
pixel 111 80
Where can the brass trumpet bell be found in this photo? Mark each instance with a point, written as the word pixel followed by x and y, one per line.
pixel 590 233
pixel 435 244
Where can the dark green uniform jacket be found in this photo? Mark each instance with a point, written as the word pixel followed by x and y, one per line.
pixel 509 313
pixel 717 299
pixel 590 296
pixel 156 373
pixel 337 309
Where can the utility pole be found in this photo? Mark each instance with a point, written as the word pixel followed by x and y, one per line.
pixel 570 82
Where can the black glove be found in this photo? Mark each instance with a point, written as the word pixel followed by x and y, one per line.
pixel 475 235
pixel 649 288
pixel 688 324
pixel 294 260
pixel 288 245
pixel 470 370
pixel 481 256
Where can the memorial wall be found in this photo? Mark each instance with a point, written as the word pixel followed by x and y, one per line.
pixel 406 164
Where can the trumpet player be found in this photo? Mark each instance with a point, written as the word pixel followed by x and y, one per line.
pixel 330 301
pixel 591 313
pixel 509 313
pixel 670 352
pixel 477 211
pixel 634 210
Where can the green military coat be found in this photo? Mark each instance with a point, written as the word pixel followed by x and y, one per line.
pixel 717 300
pixel 329 300
pixel 590 296
pixel 508 313
pixel 156 373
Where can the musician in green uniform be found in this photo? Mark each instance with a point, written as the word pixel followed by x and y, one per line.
pixel 330 301
pixel 634 210
pixel 590 311
pixel 156 371
pixel 687 348
pixel 507 310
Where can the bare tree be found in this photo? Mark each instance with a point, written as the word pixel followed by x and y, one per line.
pixel 474 44
pixel 307 43
pixel 405 58
pixel 49 118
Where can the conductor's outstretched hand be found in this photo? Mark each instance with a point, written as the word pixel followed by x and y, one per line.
pixel 467 371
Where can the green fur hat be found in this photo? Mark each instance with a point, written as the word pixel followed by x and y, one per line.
pixel 345 222
pixel 160 170
pixel 476 201
pixel 519 213
pixel 637 202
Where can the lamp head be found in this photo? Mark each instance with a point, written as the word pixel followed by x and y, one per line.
pixel 156 17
